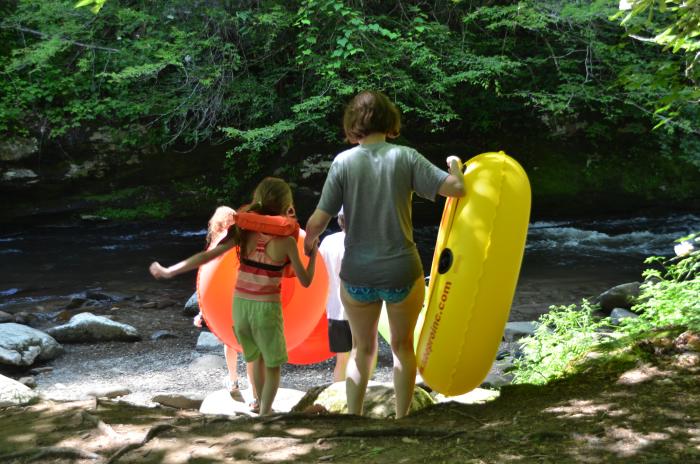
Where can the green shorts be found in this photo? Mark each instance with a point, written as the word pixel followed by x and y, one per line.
pixel 260 331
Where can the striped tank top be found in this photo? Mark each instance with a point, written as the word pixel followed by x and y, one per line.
pixel 259 276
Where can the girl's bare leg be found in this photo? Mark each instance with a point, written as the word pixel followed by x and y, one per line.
pixel 258 368
pixel 269 389
pixel 231 357
pixel 250 371
pixel 363 318
pixel 402 321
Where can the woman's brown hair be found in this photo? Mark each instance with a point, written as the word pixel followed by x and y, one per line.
pixel 369 112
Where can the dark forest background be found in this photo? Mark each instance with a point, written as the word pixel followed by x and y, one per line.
pixel 145 99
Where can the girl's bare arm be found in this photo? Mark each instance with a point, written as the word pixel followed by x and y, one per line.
pixel 305 275
pixel 315 226
pixel 193 262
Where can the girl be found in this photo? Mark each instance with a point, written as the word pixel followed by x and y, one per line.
pixel 257 307
pixel 219 223
pixel 374 183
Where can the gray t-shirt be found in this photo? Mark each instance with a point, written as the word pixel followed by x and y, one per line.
pixel 374 184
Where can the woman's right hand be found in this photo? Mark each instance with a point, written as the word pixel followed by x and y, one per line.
pixel 158 271
pixel 453 165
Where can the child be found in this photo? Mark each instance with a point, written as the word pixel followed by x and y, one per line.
pixel 231 381
pixel 257 307
pixel 332 249
pixel 218 224
pixel 374 183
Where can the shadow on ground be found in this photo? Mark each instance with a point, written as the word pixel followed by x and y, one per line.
pixel 633 410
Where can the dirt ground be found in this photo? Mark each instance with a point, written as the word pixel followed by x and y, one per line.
pixel 636 409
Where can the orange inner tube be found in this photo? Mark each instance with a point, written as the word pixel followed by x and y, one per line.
pixel 302 308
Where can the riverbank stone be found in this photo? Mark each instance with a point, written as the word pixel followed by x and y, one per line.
pixel 621 296
pixel 517 330
pixel 207 341
pixel 191 308
pixel 618 314
pixel 87 327
pixel 185 400
pixel 23 346
pixel 13 393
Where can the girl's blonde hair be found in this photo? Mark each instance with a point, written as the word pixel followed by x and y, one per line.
pixel 219 223
pixel 272 196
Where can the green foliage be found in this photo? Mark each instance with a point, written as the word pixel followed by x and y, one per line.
pixel 669 298
pixel 267 77
pixel 674 25
pixel 95 5
pixel 563 335
pixel 149 210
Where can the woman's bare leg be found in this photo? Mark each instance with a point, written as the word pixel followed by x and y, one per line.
pixel 402 322
pixel 363 318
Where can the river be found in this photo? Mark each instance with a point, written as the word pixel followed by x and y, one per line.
pixel 565 259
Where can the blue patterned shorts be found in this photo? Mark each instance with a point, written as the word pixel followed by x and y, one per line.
pixel 371 294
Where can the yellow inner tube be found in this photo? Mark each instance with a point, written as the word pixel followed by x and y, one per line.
pixel 475 269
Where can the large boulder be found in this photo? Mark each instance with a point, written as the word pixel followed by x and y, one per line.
pixel 192 306
pixel 86 327
pixel 20 176
pixel 23 346
pixel 18 148
pixel 13 393
pixel 379 400
pixel 621 296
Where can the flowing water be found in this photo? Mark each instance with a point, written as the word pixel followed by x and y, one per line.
pixel 565 260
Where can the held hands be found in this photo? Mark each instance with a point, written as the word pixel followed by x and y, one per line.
pixel 159 272
pixel 453 164
pixel 310 247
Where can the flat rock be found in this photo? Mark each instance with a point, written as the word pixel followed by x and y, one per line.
pixel 109 392
pixel 221 402
pixel 185 400
pixel 86 327
pixel 476 396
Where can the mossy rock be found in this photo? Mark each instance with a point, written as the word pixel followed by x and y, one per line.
pixel 379 400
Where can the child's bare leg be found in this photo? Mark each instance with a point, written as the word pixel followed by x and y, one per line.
pixel 250 371
pixel 341 364
pixel 258 368
pixel 231 357
pixel 363 318
pixel 402 321
pixel 269 389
